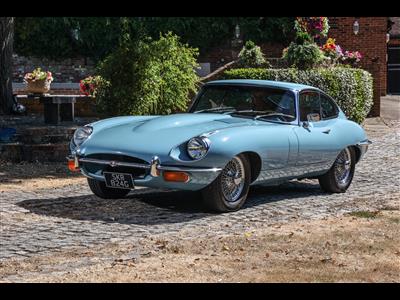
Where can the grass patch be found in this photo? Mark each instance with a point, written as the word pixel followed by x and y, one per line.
pixel 364 214
pixel 390 208
pixel 395 220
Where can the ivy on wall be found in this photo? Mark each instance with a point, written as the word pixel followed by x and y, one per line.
pixel 95 37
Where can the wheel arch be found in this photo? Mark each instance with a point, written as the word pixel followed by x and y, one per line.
pixel 255 164
pixel 357 152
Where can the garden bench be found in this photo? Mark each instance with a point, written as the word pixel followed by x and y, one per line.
pixel 57 108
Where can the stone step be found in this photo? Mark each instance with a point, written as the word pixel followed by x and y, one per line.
pixel 42 139
pixel 17 152
pixel 11 152
pixel 48 130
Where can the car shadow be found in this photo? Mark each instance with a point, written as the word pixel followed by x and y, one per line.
pixel 152 207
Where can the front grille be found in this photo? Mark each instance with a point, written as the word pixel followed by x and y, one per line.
pixel 117 157
pixel 95 168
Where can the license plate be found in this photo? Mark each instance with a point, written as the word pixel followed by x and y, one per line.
pixel 119 180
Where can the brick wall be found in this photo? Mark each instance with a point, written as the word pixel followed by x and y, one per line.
pixel 371 41
pixel 67 70
pixel 219 56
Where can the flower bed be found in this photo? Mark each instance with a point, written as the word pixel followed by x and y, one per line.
pixel 351 88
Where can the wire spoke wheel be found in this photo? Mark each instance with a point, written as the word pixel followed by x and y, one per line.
pixel 233 180
pixel 342 168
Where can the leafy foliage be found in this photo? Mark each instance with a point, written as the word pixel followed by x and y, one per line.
pixel 303 53
pixel 148 77
pixel 352 88
pixel 316 27
pixel 96 37
pixel 251 56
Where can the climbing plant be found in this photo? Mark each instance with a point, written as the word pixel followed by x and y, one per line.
pixel 96 37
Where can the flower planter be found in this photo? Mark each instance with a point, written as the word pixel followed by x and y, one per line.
pixel 37 86
pixel 38 82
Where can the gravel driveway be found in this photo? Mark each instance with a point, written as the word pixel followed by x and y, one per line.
pixel 48 211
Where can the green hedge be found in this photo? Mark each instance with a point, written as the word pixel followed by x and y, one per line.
pixel 351 88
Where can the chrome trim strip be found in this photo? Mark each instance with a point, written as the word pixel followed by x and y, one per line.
pixel 188 169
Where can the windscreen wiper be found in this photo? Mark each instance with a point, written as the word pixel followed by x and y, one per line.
pixel 273 114
pixel 216 109
pixel 251 111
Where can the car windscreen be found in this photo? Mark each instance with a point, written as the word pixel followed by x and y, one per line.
pixel 262 102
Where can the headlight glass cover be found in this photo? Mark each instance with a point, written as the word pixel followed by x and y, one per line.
pixel 198 147
pixel 81 134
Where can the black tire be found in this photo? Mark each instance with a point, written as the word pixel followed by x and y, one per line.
pixel 213 196
pixel 329 182
pixel 100 189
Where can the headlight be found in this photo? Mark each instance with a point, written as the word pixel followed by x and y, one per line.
pixel 81 134
pixel 198 147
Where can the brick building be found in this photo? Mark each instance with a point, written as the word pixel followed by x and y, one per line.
pixel 393 69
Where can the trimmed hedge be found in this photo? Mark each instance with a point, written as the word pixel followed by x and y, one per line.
pixel 351 88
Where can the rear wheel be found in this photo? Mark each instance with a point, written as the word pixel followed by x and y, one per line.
pixel 100 189
pixel 340 175
pixel 229 190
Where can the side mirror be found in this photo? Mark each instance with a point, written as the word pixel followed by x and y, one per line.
pixel 306 125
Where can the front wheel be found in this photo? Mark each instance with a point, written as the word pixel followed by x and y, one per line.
pixel 229 190
pixel 100 189
pixel 340 175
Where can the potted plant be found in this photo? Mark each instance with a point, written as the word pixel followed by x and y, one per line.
pixel 38 82
pixel 89 86
pixel 332 51
pixel 352 57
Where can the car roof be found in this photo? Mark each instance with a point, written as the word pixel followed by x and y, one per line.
pixel 264 83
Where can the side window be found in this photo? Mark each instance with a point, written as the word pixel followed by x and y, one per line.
pixel 328 107
pixel 309 104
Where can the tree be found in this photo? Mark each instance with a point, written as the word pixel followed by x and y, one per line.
pixel 6 51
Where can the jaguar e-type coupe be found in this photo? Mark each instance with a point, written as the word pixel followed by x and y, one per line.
pixel 236 133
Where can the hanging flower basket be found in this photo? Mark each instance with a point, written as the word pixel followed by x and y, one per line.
pixel 38 82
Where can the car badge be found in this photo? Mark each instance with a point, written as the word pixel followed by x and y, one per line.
pixel 113 163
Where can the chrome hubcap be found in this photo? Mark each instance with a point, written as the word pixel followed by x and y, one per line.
pixel 343 167
pixel 232 180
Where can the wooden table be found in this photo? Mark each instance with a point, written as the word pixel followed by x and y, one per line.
pixel 57 108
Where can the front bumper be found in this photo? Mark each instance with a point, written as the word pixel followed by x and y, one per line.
pixel 199 177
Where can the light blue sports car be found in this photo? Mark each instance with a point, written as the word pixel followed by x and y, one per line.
pixel 235 134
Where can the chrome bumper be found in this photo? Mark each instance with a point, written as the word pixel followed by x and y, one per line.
pixel 363 146
pixel 154 165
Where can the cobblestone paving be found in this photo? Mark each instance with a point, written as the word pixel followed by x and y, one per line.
pixel 39 221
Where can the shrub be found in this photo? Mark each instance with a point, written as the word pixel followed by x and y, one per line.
pixel 303 53
pixel 350 87
pixel 251 56
pixel 148 77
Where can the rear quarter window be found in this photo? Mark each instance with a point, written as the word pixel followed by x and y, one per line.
pixel 328 108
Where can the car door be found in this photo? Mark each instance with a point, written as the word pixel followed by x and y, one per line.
pixel 315 133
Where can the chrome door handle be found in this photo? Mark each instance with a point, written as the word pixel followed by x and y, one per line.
pixel 326 131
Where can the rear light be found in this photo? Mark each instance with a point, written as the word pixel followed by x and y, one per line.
pixel 73 165
pixel 176 176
